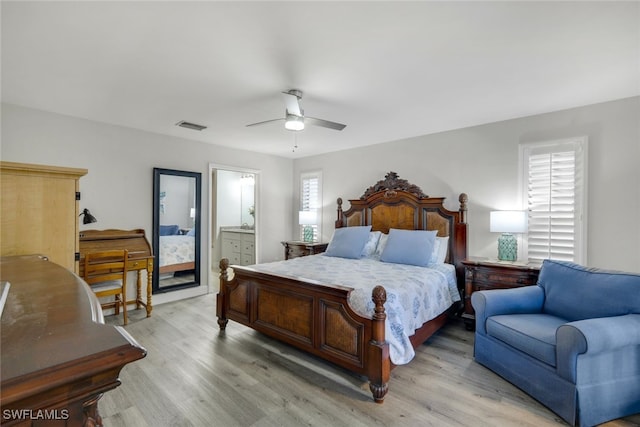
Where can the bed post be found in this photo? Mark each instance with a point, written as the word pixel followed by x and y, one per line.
pixel 379 348
pixel 463 199
pixel 340 220
pixel 460 246
pixel 220 307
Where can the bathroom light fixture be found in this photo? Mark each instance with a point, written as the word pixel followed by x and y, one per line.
pixel 247 179
pixel 507 222
pixel 294 122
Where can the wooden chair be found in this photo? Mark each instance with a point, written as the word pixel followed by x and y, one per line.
pixel 106 274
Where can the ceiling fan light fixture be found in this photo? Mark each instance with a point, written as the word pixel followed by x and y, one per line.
pixel 294 122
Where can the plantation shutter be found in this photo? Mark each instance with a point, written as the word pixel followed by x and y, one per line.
pixel 310 198
pixel 555 189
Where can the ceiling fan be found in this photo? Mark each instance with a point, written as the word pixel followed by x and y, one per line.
pixel 295 119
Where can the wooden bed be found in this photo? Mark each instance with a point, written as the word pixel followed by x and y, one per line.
pixel 316 317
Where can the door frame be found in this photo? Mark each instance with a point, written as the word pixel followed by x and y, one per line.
pixel 213 190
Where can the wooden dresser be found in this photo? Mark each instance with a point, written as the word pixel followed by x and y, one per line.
pixel 483 274
pixel 58 357
pixel 39 212
pixel 295 249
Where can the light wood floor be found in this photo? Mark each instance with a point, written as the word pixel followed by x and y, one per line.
pixel 195 376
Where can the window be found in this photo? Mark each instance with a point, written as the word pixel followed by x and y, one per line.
pixel 554 188
pixel 311 200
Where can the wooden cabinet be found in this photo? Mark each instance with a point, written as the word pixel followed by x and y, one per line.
pixel 39 212
pixel 295 249
pixel 238 246
pixel 483 274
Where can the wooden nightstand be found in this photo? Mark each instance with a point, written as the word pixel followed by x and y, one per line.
pixel 485 273
pixel 295 249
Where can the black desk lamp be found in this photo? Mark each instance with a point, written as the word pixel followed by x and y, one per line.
pixel 88 218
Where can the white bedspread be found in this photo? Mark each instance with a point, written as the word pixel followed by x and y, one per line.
pixel 176 249
pixel 414 294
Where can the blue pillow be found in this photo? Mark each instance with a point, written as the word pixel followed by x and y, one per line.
pixel 192 232
pixel 348 242
pixel 169 230
pixel 413 247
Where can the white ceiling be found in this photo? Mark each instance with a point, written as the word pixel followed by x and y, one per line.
pixel 388 70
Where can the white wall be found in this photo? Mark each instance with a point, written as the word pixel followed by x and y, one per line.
pixel 175 207
pixel 230 196
pixel 118 188
pixel 482 161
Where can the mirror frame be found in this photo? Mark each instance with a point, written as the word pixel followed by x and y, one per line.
pixel 157 173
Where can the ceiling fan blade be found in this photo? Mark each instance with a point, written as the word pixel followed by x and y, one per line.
pixel 265 122
pixel 324 123
pixel 291 101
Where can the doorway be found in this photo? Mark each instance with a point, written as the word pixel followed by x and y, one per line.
pixel 234 215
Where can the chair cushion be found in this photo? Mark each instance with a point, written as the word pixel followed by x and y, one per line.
pixel 533 334
pixel 105 286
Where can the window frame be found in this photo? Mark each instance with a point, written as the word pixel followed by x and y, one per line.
pixel 579 146
pixel 317 206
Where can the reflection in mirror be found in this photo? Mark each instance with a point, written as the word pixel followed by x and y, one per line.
pixel 247 205
pixel 176 229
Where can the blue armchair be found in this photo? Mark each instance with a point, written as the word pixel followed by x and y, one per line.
pixel 572 342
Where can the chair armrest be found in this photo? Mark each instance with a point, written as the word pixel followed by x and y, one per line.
pixel 528 299
pixel 593 336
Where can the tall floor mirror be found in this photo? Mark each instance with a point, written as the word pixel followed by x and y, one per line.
pixel 176 229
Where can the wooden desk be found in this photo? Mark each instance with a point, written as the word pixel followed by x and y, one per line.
pixel 58 356
pixel 140 256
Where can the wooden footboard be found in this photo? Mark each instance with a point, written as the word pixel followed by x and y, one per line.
pixel 313 317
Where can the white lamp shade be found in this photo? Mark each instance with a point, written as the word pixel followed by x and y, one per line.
pixel 307 218
pixel 508 221
pixel 192 213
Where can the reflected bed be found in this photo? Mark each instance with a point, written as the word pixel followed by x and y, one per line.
pixel 177 253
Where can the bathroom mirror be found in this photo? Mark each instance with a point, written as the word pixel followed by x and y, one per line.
pixel 176 229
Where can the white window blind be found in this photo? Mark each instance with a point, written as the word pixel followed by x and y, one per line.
pixel 555 193
pixel 311 199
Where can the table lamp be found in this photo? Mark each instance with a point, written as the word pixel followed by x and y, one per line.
pixel 307 219
pixel 508 222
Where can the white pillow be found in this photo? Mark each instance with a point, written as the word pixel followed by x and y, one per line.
pixel 382 242
pixel 443 249
pixel 440 249
pixel 435 252
pixel 370 247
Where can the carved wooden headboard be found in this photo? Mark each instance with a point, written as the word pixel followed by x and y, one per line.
pixel 395 203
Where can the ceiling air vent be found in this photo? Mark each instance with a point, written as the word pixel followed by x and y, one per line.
pixel 190 125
